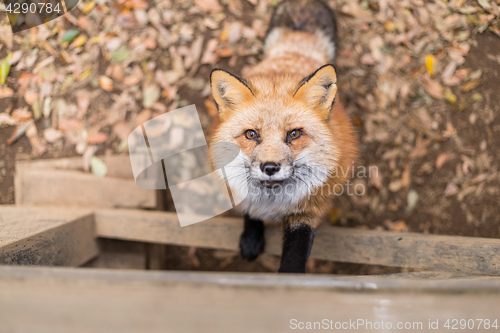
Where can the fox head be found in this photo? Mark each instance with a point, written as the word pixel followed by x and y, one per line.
pixel 281 125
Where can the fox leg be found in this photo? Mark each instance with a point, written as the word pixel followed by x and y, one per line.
pixel 297 242
pixel 252 238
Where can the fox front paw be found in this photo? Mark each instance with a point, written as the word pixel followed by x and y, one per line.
pixel 251 244
pixel 292 268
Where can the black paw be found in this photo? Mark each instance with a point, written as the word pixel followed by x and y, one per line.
pixel 251 244
pixel 292 268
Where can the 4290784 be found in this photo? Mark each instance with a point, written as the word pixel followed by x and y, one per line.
pixel 24 8
pixel 462 324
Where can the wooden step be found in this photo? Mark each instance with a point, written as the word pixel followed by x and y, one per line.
pixel 46 237
pixel 470 255
pixel 35 299
pixel 59 182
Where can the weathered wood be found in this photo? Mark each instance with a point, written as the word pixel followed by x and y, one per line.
pixel 51 237
pixel 35 186
pixel 470 255
pixel 68 300
pixel 119 254
pixel 118 165
pixel 156 256
pixel 164 228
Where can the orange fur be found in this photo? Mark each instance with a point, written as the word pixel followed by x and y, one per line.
pixel 273 99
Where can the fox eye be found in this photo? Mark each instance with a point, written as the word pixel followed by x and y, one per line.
pixel 294 134
pixel 251 135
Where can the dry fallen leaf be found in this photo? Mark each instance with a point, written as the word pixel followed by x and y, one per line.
pixel 6 119
pixel 208 5
pixel 97 138
pixel 106 83
pixel 98 167
pixel 30 97
pixel 142 117
pixel 433 87
pixel 134 78
pixel 20 130
pixel 6 36
pixel 88 7
pixel 470 85
pixel 83 102
pixel 451 189
pixel 211 108
pixel 420 149
pixel 398 226
pixel 406 177
pixel 441 159
pixel 52 135
pixel 122 130
pixel 6 92
pixel 210 55
pixel 151 94
pixel 22 114
pixel 136 4
pixel 79 41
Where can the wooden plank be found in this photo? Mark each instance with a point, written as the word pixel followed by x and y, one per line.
pixel 87 300
pixel 119 254
pixel 470 255
pixel 118 165
pixel 51 237
pixel 73 188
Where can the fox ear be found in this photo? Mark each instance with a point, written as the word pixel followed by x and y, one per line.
pixel 318 90
pixel 228 91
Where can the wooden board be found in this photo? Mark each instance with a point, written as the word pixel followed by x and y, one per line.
pixel 119 254
pixel 118 165
pixel 51 237
pixel 36 186
pixel 40 300
pixel 469 255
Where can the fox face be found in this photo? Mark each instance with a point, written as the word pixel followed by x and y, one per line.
pixel 287 147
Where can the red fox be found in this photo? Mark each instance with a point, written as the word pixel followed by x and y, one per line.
pixel 292 135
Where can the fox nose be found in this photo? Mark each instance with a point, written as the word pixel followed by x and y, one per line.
pixel 270 168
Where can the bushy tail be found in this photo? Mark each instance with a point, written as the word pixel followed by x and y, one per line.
pixel 313 16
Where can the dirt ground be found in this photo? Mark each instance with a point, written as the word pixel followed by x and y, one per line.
pixel 426 119
pixel 477 124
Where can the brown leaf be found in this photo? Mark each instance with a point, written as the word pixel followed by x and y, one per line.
pixel 22 114
pixel 208 5
pixel 97 138
pixel 20 130
pixel 433 87
pixel 376 178
pixel 134 78
pixel 398 226
pixel 406 177
pixel 106 83
pixel 6 92
pixel 470 85
pixel 83 101
pixel 116 72
pixel 70 124
pixel 122 130
pixel 211 108
pixel 30 97
pixel 52 135
pixel 395 185
pixel 142 117
pixel 441 159
pixel 6 119
pixel 420 149
pixel 210 55
pixel 6 36
pixel 136 4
